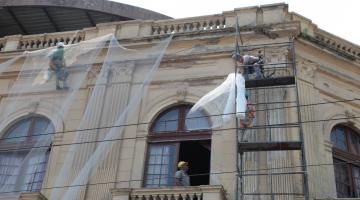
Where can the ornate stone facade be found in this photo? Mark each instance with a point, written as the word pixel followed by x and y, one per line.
pixel 197 60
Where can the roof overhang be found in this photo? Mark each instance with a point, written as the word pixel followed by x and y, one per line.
pixel 46 16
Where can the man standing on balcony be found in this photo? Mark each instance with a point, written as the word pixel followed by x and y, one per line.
pixel 181 176
pixel 57 64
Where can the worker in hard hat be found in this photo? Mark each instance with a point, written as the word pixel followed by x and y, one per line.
pixel 181 176
pixel 57 64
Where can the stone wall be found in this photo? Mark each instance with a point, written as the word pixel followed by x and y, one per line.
pixel 197 60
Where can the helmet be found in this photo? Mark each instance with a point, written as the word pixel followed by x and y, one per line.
pixel 181 164
pixel 60 45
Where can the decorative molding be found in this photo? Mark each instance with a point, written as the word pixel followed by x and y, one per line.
pixel 181 95
pixel 307 69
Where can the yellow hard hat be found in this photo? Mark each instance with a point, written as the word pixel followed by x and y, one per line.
pixel 182 164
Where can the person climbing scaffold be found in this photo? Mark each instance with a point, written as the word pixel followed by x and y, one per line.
pixel 250 114
pixel 57 64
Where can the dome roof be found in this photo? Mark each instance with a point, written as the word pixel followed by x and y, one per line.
pixel 46 16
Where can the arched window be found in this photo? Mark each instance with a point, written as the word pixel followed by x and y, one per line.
pixel 171 141
pixel 346 148
pixel 18 168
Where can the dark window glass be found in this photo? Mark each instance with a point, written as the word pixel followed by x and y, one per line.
pixel 174 120
pixel 356 176
pixel 338 138
pixel 18 132
pixel 354 142
pixel 343 186
pixel 346 148
pixel 168 122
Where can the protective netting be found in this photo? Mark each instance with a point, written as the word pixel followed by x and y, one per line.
pixel 222 103
pixel 84 78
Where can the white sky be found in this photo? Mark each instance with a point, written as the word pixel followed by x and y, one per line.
pixel 340 18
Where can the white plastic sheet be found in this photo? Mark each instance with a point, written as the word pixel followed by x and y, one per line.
pixel 223 102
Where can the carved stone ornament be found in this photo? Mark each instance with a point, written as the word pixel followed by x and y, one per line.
pixel 307 68
pixel 181 94
pixel 349 114
pixel 123 69
pixel 33 106
pixel 94 72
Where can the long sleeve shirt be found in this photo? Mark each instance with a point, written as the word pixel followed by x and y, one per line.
pixel 250 60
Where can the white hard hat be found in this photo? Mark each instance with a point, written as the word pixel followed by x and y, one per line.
pixel 60 44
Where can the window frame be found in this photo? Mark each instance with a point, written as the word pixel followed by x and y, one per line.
pixel 181 134
pixel 26 145
pixel 29 141
pixel 173 137
pixel 346 156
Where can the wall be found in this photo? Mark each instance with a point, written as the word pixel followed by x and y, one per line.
pixel 197 60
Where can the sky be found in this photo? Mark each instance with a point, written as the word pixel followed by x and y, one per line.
pixel 340 18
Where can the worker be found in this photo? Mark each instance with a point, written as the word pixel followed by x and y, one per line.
pixel 251 64
pixel 250 114
pixel 57 64
pixel 181 176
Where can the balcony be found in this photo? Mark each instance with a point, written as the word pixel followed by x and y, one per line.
pixel 203 192
pixel 24 196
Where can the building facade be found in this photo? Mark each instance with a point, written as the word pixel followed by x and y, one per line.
pixel 197 60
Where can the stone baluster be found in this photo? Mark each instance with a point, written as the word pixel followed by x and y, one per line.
pixel 153 31
pixel 180 28
pixel 205 26
pixel 198 196
pixel 185 196
pixel 185 27
pixel 176 196
pixel 189 26
pixel 162 197
pixel 162 30
pixel 27 44
pixel 166 29
pixel 196 26
pixel 211 25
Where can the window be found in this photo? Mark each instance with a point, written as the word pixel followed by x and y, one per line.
pixel 171 141
pixel 15 147
pixel 346 148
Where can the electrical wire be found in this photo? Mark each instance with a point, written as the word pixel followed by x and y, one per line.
pixel 192 175
pixel 282 125
pixel 186 118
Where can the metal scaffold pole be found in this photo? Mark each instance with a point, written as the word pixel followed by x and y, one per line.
pixel 303 155
pixel 239 183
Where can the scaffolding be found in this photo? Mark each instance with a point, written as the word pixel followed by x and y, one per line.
pixel 271 160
